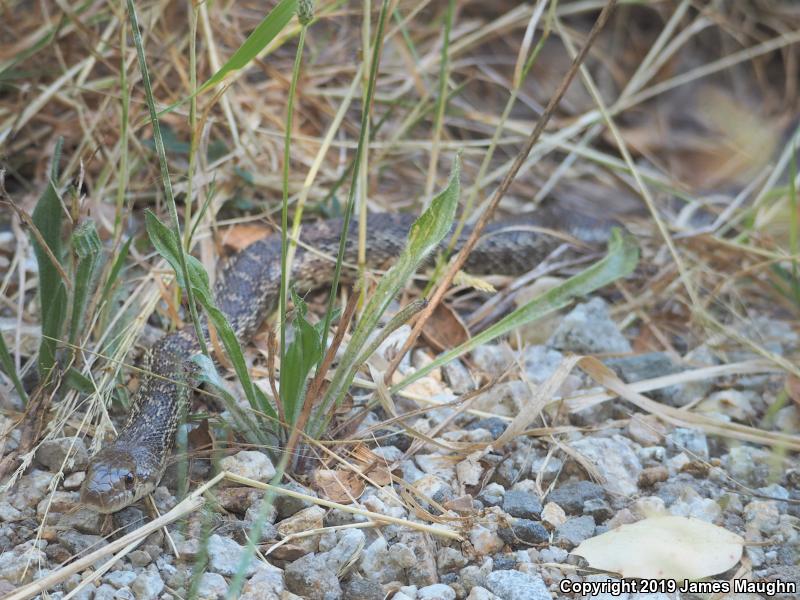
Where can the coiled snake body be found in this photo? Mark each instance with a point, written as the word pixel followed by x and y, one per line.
pixel 247 291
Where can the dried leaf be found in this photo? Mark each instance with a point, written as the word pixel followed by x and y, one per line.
pixel 444 329
pixel 339 485
pixel 239 237
pixel 664 547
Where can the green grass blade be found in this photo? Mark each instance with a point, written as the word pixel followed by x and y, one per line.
pixel 165 179
pixel 622 257
pixel 426 234
pixel 87 246
pixel 113 276
pixel 262 35
pixel 47 217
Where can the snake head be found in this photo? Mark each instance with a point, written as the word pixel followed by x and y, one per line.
pixel 115 478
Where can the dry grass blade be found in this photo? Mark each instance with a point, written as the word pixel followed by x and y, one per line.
pixel 459 260
pixel 681 418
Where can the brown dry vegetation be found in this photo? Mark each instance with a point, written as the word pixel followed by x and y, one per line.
pixel 704 96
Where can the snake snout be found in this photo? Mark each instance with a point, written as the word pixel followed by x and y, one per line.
pixel 111 481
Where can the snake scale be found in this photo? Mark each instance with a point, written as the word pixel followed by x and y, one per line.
pixel 247 292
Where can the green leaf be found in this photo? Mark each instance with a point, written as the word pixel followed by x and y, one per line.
pixel 47 217
pixel 301 356
pixel 621 260
pixel 7 364
pixel 87 246
pixel 426 234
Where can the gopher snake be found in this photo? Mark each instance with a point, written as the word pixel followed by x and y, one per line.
pixel 247 291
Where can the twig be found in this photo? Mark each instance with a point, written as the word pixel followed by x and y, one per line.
pixel 501 190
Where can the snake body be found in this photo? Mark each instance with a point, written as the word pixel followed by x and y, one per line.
pixel 247 291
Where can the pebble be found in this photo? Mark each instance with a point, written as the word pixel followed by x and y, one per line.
pixel 615 460
pixel 458 377
pixel 286 506
pixel 541 362
pixel 573 531
pixel 554 515
pixel 572 495
pixel 267 584
pixel 31 489
pixel 14 563
pixel 364 589
pixel 484 540
pixel 492 359
pixel 481 593
pixel 212 587
pixel 505 399
pixel 515 585
pixel 691 441
pixel 492 494
pixel 251 464
pixel 589 329
pixel 524 505
pixel 120 579
pixel 523 533
pixel 148 584
pixel 224 555
pixel 310 577
pixel 51 454
pixel 437 591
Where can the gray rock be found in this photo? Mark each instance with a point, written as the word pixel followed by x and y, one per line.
pixel 377 565
pixel 78 543
pixel 251 464
pixel 286 506
pixel 148 584
pixel 599 509
pixel 310 577
pixel 139 558
pixel 437 591
pixel 588 329
pixel 458 377
pixel 224 555
pixel 450 559
pixel 30 489
pixel 524 505
pixel 541 362
pixel 575 530
pixel 481 593
pixel 120 579
pixel 128 519
pixel 14 565
pixel 514 585
pixel 349 543
pixel 492 358
pixel 364 589
pixel 51 454
pixel 9 514
pixel 492 494
pixel 266 584
pixel 105 592
pixel 648 366
pixel 420 546
pixel 572 495
pixel 524 532
pixel 615 460
pixel 212 587
pixel 505 399
pixel 683 439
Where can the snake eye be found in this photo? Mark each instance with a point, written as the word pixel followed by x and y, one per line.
pixel 129 479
